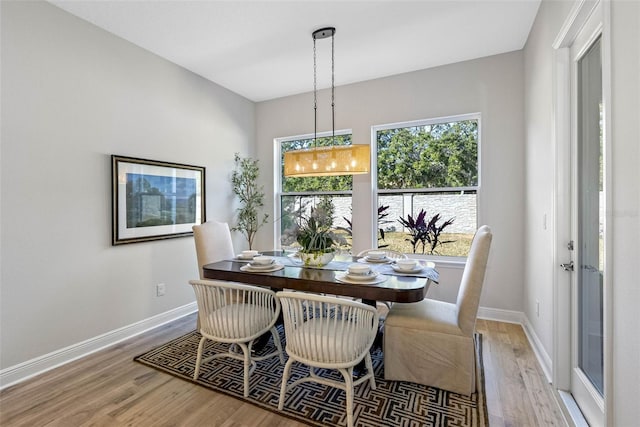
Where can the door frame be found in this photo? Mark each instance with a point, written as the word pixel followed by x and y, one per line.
pixel 562 138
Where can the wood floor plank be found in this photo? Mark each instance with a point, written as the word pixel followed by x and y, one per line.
pixel 546 410
pixel 109 389
pixel 494 406
pixel 516 406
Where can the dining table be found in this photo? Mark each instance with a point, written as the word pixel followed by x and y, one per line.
pixel 389 284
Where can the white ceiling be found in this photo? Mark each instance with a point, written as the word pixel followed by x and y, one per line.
pixel 264 49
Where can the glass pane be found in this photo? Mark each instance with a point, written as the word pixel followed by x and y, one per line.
pixel 449 235
pixel 590 217
pixel 434 158
pixel 431 156
pixel 336 209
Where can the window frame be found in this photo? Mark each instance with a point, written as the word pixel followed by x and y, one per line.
pixel 374 176
pixel 277 175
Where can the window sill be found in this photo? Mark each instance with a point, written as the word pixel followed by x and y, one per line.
pixel 451 262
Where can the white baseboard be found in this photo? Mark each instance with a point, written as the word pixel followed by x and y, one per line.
pixel 25 370
pixel 541 354
pixel 39 365
pixel 500 315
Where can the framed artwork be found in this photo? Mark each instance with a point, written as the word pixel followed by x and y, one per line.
pixel 155 200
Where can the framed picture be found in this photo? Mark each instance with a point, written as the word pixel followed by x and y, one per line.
pixel 155 200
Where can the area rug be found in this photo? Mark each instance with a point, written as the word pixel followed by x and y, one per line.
pixel 393 403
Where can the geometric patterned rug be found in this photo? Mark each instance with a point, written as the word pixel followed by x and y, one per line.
pixel 393 403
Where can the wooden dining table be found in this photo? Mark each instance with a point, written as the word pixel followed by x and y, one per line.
pixel 396 287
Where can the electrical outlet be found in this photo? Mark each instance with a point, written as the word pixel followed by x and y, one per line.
pixel 537 308
pixel 160 289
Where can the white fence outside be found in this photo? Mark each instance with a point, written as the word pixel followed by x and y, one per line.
pixel 461 207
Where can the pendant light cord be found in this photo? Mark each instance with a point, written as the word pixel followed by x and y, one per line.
pixel 315 97
pixel 333 104
pixel 322 33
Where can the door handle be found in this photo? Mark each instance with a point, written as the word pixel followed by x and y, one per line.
pixel 568 266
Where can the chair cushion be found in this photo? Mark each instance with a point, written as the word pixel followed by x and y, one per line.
pixel 237 321
pixel 428 314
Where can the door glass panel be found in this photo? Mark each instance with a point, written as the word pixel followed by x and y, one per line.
pixel 590 217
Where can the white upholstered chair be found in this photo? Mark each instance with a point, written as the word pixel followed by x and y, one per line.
pixel 391 254
pixel 432 342
pixel 236 314
pixel 213 243
pixel 327 332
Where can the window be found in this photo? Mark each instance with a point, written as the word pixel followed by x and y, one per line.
pixel 427 183
pixel 331 194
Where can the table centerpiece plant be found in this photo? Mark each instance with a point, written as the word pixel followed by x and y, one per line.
pixel 317 241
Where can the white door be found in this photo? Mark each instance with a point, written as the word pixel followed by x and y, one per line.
pixel 587 189
pixel 587 377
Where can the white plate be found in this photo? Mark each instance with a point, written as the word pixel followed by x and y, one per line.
pixel 416 269
pixel 361 277
pixel 375 261
pixel 247 258
pixel 342 277
pixel 257 267
pixel 258 264
pixel 262 269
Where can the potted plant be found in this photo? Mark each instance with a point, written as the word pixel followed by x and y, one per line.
pixel 316 239
pixel 245 185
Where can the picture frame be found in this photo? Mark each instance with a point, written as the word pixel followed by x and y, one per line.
pixel 155 200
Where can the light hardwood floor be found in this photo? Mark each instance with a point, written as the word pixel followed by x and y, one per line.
pixel 518 393
pixel 109 389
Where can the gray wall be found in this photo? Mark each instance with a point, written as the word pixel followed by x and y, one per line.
pixel 492 86
pixel 622 398
pixel 625 57
pixel 72 95
pixel 540 169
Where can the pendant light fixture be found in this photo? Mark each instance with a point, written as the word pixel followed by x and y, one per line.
pixel 330 160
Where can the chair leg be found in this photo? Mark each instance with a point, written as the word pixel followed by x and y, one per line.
pixel 199 358
pixel 247 363
pixel 367 362
pixel 285 378
pixel 348 379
